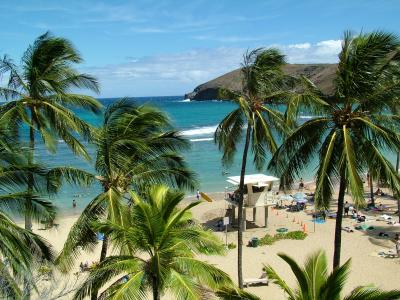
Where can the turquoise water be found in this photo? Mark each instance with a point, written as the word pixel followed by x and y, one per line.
pixel 196 120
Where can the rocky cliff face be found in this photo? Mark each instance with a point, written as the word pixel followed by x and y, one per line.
pixel 321 74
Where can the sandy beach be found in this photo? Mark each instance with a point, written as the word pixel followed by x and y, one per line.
pixel 361 246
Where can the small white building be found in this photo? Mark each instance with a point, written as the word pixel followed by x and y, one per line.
pixel 259 192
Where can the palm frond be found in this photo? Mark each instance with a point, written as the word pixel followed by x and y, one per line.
pixel 353 168
pixel 299 147
pixel 81 236
pixel 228 135
pixel 275 278
pixel 372 293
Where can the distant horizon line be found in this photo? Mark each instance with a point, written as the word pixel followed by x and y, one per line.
pixel 122 97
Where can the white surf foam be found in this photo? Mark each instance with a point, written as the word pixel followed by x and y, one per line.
pixel 200 130
pixel 201 140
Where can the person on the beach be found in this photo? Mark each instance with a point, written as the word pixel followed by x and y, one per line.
pixel 73 203
pixel 323 213
pixel 396 238
pixel 198 195
pixel 346 208
pixel 301 184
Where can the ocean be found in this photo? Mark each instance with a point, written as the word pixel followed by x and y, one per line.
pixel 197 120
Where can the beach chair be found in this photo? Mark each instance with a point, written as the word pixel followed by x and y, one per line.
pixel 384 218
pixel 347 229
pixel 387 254
pixel 256 281
pixel 331 215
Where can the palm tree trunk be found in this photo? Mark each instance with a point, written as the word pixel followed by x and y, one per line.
pixel 397 195
pixel 398 206
pixel 371 189
pixel 103 255
pixel 240 207
pixel 156 293
pixel 28 200
pixel 339 219
pixel 104 246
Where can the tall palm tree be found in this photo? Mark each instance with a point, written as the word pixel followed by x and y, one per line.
pixel 314 282
pixel 157 244
pixel 136 146
pixel 255 117
pixel 39 95
pixel 352 128
pixel 20 250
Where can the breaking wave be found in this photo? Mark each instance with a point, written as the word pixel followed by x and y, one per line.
pixel 201 140
pixel 200 130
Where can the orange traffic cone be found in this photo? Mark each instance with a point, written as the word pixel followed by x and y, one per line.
pixel 304 228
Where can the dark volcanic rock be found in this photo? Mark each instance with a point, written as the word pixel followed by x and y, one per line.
pixel 321 74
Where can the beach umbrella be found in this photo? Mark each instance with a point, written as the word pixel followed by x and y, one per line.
pixel 299 196
pixel 286 198
pixel 300 200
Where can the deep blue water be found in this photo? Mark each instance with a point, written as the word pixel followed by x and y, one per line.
pixel 196 120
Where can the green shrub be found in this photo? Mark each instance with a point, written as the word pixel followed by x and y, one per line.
pixel 296 235
pixel 231 246
pixel 292 235
pixel 267 240
pixel 280 236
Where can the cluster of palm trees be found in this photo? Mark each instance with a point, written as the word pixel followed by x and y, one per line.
pixel 351 129
pixel 138 165
pixel 137 155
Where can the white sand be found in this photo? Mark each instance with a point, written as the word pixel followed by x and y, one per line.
pixel 362 247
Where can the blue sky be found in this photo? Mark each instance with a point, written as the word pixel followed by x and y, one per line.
pixel 143 48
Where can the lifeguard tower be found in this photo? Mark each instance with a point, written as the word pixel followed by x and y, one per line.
pixel 258 192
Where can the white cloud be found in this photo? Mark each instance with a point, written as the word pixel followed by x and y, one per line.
pixel 321 52
pixel 328 47
pixel 300 46
pixel 166 74
pixel 177 73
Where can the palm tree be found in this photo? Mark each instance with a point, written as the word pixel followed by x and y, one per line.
pixel 38 95
pixel 315 283
pixel 256 116
pixel 136 146
pixel 157 243
pixel 352 128
pixel 20 250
